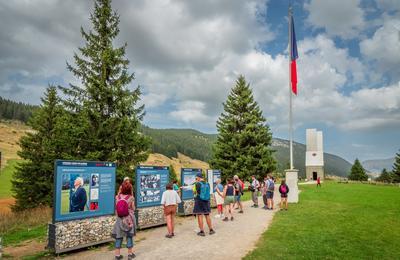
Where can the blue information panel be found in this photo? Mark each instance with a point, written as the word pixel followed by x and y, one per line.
pixel 212 177
pixel 83 189
pixel 188 179
pixel 150 185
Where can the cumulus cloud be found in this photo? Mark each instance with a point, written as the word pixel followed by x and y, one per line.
pixel 344 18
pixel 384 48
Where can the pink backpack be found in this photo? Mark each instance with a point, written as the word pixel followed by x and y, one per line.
pixel 122 207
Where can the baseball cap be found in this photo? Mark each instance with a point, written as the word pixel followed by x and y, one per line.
pixel 199 175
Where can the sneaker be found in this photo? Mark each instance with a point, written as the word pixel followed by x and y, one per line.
pixel 231 218
pixel 201 233
pixel 256 206
pixel 131 256
pixel 285 209
pixel 217 216
pixel 168 236
pixel 225 219
pixel 118 257
pixel 241 211
pixel 212 231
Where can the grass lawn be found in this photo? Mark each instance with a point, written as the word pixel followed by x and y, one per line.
pixel 65 199
pixel 5 179
pixel 337 221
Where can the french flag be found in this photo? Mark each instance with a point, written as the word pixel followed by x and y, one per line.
pixel 293 56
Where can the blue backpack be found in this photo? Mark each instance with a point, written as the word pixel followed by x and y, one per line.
pixel 204 191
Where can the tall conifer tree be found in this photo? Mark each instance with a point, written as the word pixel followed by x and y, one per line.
pixel 106 106
pixel 396 168
pixel 357 172
pixel 32 182
pixel 243 146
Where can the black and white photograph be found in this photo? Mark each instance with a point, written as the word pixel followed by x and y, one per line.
pixel 150 181
pixel 94 181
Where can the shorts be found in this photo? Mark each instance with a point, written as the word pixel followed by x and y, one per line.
pixel 237 198
pixel 229 199
pixel 201 207
pixel 284 195
pixel 129 242
pixel 170 210
pixel 270 194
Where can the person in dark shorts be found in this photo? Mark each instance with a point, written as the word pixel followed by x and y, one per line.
pixel 202 206
pixel 270 192
pixel 284 190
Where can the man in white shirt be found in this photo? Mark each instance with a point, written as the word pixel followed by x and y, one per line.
pixel 170 200
pixel 255 184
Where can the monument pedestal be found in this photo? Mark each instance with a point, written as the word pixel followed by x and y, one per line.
pixel 291 181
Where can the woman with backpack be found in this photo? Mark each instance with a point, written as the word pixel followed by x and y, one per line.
pixel 125 220
pixel 229 199
pixel 284 190
pixel 170 200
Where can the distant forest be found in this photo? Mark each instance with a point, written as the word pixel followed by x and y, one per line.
pixel 15 110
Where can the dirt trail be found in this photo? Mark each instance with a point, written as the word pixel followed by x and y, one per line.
pixel 233 240
pixel 5 205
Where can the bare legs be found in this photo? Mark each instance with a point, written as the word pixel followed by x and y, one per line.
pixel 284 202
pixel 201 222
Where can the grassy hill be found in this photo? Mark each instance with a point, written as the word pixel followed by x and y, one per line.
pixel 198 145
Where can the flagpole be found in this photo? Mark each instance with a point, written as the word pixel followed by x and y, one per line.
pixel 290 92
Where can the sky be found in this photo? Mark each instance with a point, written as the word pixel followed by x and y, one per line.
pixel 186 56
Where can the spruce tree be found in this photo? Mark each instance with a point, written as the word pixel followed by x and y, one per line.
pixel 32 183
pixel 385 176
pixel 172 174
pixel 396 168
pixel 107 108
pixel 243 146
pixel 357 172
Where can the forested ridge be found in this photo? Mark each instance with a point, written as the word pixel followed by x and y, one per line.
pixel 12 110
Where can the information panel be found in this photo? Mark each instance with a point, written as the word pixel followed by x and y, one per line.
pixel 150 185
pixel 212 177
pixel 188 179
pixel 83 189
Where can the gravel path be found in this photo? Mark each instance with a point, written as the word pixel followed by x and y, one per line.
pixel 233 239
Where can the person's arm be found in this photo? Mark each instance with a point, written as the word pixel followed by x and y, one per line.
pixel 178 198
pixel 163 199
pixel 219 192
pixel 287 188
pixel 224 193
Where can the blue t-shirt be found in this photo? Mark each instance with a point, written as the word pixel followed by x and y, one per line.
pixel 220 187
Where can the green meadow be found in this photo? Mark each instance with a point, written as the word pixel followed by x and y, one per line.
pixel 337 221
pixel 5 179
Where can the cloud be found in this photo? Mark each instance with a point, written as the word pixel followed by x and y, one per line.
pixel 383 49
pixel 343 18
pixel 389 5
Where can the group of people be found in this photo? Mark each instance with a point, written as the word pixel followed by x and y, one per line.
pixel 227 198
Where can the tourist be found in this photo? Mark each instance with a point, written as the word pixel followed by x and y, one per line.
pixel 239 186
pixel 126 179
pixel 254 187
pixel 318 182
pixel 270 192
pixel 176 186
pixel 264 192
pixel 229 199
pixel 284 190
pixel 219 199
pixel 202 204
pixel 79 197
pixel 170 200
pixel 125 220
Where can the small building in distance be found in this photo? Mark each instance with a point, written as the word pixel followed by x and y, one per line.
pixel 314 155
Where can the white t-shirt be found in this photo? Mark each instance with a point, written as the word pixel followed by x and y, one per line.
pixel 170 197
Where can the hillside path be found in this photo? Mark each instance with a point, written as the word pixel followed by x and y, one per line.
pixel 233 239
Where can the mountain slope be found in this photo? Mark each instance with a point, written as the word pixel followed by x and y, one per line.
pixel 198 145
pixel 377 165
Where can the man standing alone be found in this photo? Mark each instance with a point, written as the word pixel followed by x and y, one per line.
pixel 255 185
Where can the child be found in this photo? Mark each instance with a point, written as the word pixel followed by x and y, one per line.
pixel 125 220
pixel 284 190
pixel 218 190
pixel 170 200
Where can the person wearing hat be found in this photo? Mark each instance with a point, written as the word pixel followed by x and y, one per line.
pixel 202 204
pixel 255 185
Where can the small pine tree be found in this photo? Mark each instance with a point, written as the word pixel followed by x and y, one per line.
pixel 243 146
pixel 172 174
pixel 396 168
pixel 357 172
pixel 108 109
pixel 32 183
pixel 385 176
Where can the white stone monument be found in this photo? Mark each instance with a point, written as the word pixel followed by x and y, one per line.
pixel 314 155
pixel 291 181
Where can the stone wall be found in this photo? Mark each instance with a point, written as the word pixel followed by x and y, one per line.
pixel 74 234
pixel 150 216
pixel 186 207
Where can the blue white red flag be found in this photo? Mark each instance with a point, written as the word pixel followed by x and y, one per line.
pixel 293 56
